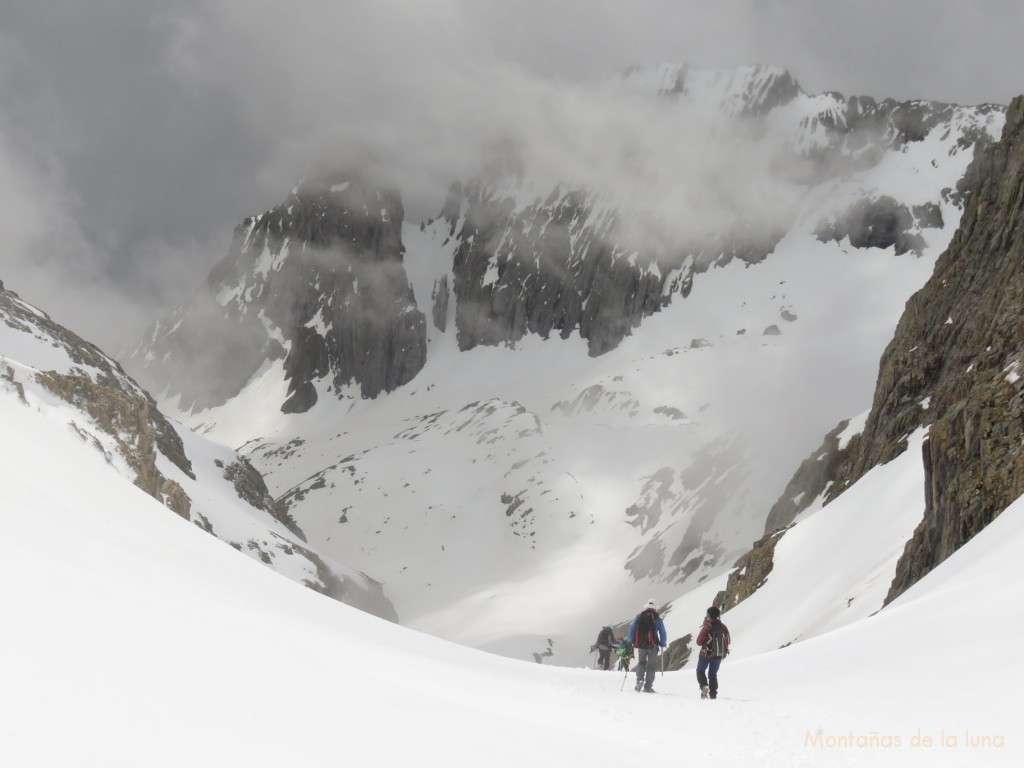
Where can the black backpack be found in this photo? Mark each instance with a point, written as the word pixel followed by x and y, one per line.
pixel 715 646
pixel 646 629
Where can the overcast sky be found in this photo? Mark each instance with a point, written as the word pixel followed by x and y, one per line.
pixel 136 134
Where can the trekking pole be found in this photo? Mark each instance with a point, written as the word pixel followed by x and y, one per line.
pixel 662 654
pixel 623 686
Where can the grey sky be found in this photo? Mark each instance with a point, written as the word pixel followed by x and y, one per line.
pixel 135 134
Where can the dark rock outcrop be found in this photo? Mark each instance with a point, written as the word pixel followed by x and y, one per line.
pixel 127 417
pixel 318 281
pixel 678 652
pixel 440 300
pixel 811 480
pixel 549 269
pixel 118 406
pixel 956 363
pixel 252 488
pixel 880 223
pixel 751 572
pixel 955 367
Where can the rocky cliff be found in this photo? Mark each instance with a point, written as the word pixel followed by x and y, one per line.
pixel 317 283
pixel 954 368
pixel 96 384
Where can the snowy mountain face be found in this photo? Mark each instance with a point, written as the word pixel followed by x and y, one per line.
pixel 512 490
pixel 317 283
pixel 49 376
pixel 530 258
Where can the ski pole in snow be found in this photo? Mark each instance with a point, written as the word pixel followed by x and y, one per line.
pixel 662 654
pixel 621 687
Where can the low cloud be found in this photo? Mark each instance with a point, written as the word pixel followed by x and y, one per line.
pixel 135 137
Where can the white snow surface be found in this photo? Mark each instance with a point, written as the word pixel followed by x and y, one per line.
pixel 133 638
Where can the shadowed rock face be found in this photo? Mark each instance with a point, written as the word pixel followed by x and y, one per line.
pixel 879 223
pixel 549 268
pixel 318 282
pixel 956 363
pixel 955 366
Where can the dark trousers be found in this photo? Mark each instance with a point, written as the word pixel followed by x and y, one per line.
pixel 709 680
pixel 604 658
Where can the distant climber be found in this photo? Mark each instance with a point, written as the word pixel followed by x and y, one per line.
pixel 713 640
pixel 603 646
pixel 647 633
pixel 624 650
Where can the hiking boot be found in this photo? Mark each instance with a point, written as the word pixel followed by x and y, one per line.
pixel 704 692
pixel 713 696
pixel 639 685
pixel 648 689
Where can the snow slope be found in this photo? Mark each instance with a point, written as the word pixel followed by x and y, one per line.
pixel 115 418
pixel 132 638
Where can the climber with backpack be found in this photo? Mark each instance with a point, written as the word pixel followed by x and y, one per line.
pixel 713 640
pixel 625 653
pixel 647 634
pixel 603 646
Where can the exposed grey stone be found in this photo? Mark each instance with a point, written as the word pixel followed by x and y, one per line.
pixel 252 488
pixel 952 366
pixel 678 652
pixel 325 270
pixel 672 413
pixel 751 572
pixel 440 299
pixel 928 216
pixel 810 481
pixel 874 223
pixel 540 270
pixel 452 209
pixel 100 386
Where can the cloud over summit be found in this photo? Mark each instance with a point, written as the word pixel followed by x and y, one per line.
pixel 151 129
